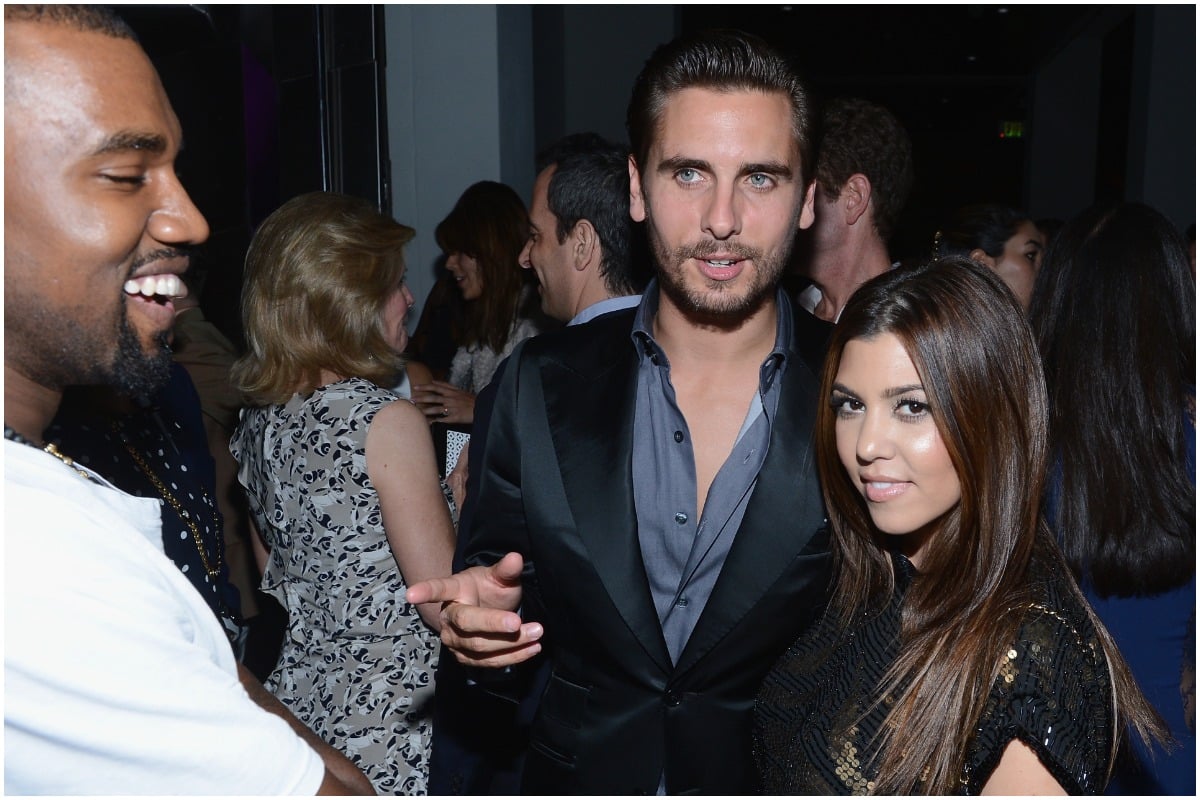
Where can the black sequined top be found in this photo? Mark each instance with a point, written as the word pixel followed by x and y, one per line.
pixel 1052 692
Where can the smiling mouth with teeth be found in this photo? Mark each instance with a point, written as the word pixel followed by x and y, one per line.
pixel 159 288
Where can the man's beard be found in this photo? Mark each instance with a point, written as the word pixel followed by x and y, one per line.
pixel 57 351
pixel 136 373
pixel 718 303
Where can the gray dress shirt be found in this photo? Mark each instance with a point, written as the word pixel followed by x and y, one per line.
pixel 683 555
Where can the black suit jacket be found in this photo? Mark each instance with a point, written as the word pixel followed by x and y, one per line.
pixel 556 485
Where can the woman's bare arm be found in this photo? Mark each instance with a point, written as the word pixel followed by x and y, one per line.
pixel 402 466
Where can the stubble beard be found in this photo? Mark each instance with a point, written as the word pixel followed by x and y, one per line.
pixel 720 303
pixel 61 352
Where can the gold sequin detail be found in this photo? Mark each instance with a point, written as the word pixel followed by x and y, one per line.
pixel 849 769
pixel 1008 669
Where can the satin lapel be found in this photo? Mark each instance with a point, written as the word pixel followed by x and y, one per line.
pixel 590 410
pixel 770 536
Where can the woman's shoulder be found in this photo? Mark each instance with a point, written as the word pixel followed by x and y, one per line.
pixel 350 398
pixel 1054 609
pixel 1052 690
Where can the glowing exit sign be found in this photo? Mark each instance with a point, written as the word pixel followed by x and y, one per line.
pixel 1012 130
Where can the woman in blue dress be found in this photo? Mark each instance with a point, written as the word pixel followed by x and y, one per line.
pixel 1114 315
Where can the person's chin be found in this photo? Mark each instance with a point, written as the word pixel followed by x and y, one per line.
pixel 142 365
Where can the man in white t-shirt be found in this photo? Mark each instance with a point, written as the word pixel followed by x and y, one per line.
pixel 117 677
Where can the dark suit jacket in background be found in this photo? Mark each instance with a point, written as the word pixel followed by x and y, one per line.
pixel 555 484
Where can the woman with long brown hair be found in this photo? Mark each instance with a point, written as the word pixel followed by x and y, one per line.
pixel 482 237
pixel 957 653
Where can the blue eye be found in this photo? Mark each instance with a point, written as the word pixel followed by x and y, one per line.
pixel 760 180
pixel 688 175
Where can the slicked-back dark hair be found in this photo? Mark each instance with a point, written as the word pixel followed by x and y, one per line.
pixel 723 61
pixel 98 19
pixel 858 136
pixel 1114 311
pixel 591 181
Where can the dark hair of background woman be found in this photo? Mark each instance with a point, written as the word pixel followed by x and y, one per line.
pixel 1114 311
pixel 489 223
pixel 986 227
pixel 979 366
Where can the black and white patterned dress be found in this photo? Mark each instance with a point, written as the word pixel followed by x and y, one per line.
pixel 357 662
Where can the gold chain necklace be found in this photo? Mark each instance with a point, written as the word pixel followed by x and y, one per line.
pixel 70 462
pixel 50 449
pixel 212 571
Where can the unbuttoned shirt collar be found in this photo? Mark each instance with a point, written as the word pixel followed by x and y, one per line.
pixel 769 371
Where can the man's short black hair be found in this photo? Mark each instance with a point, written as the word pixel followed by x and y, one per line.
pixel 97 19
pixel 591 181
pixel 861 137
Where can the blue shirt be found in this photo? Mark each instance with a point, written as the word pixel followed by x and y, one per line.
pixel 683 555
pixel 605 306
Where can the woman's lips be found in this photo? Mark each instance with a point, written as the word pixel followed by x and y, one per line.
pixel 882 491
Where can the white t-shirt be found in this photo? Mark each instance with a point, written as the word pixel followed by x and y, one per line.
pixel 118 679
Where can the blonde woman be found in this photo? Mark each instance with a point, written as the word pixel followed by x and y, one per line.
pixel 342 482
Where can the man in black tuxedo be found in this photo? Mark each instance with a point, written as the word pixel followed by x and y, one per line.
pixel 582 248
pixel 648 499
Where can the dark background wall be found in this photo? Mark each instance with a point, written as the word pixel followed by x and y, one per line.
pixel 274 101
pixel 1046 108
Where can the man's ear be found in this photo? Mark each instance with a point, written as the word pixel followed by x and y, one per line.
pixel 584 244
pixel 855 197
pixel 637 202
pixel 807 215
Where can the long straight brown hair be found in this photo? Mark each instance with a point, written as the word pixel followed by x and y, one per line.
pixel 489 223
pixel 977 361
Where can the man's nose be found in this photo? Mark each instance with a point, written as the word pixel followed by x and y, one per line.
pixel 523 259
pixel 177 221
pixel 722 215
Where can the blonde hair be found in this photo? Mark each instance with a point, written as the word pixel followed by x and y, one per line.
pixel 319 272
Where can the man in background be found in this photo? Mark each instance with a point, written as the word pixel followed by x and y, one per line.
pixel 581 240
pixel 581 246
pixel 864 175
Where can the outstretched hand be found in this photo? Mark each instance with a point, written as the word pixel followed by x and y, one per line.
pixel 479 620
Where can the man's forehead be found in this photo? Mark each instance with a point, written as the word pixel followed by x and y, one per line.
pixel 541 191
pixel 99 91
pixel 749 116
